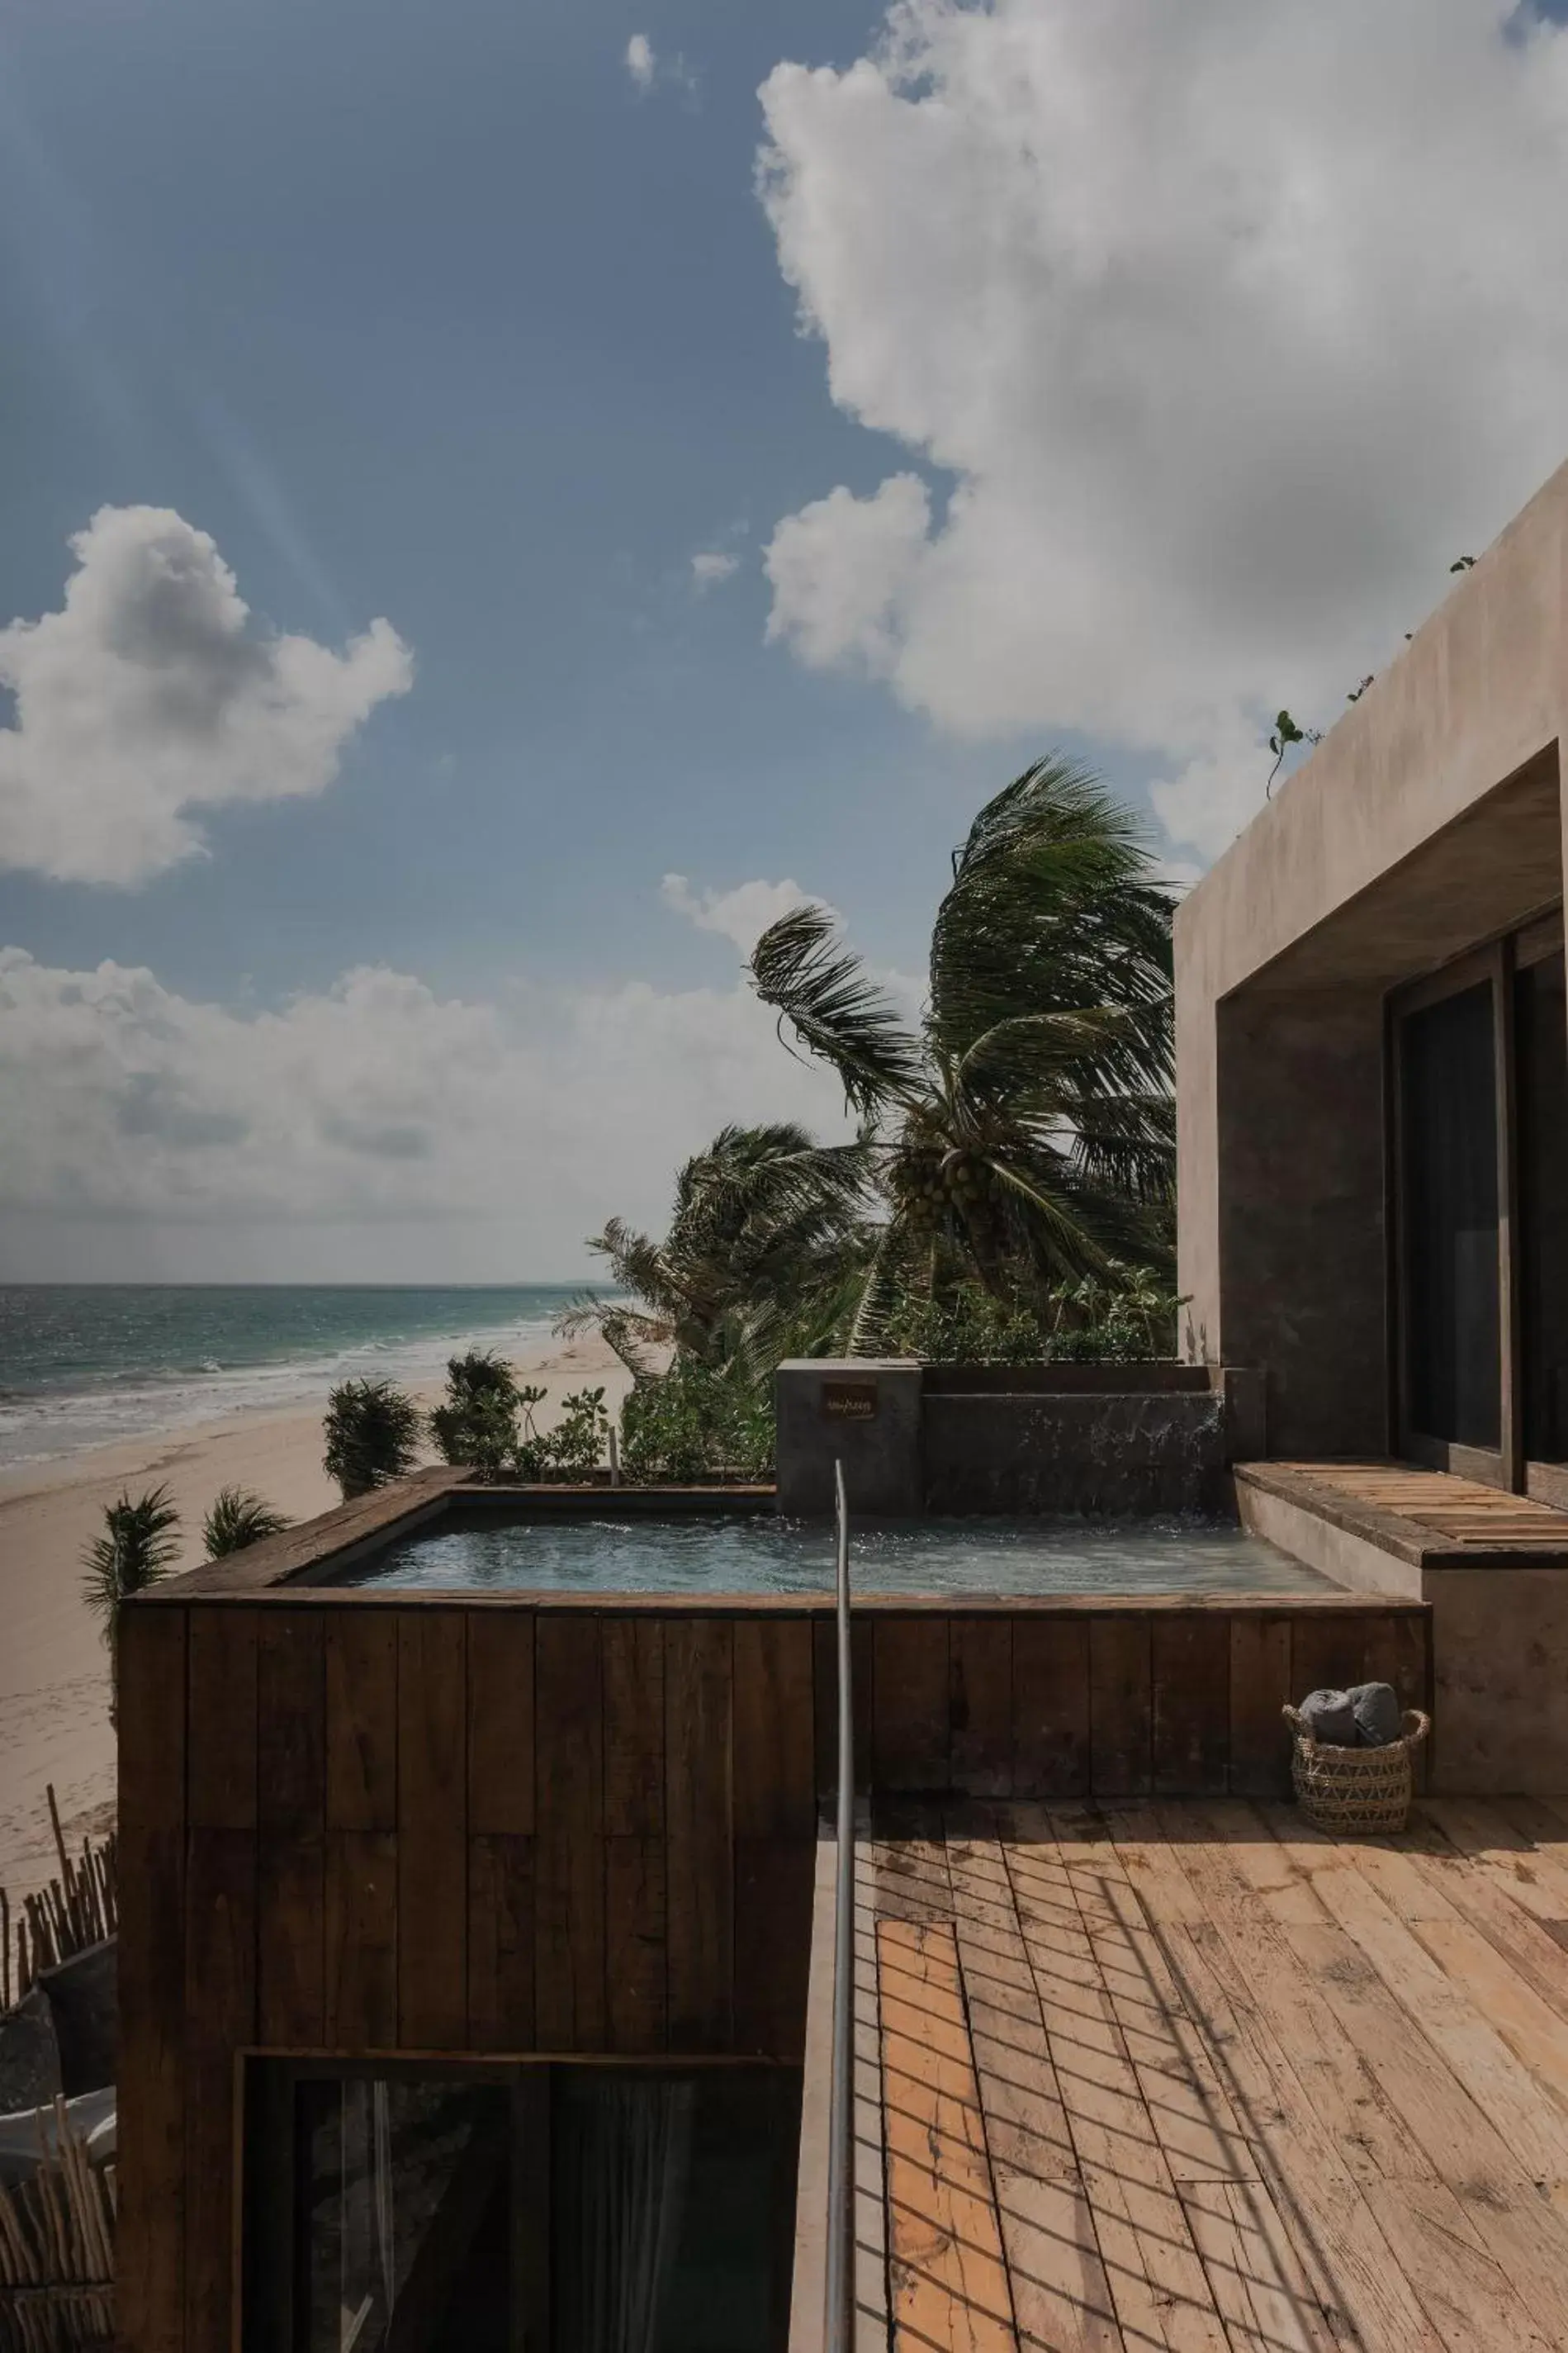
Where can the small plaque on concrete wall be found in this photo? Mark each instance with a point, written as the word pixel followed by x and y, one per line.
pixel 850 1400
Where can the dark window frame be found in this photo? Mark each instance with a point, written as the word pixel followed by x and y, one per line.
pixel 268 2280
pixel 1495 962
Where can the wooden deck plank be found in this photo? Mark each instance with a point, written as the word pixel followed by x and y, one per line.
pixel 1198 2128
pixel 1335 2077
pixel 1514 1862
pixel 1498 2038
pixel 1159 2287
pixel 1061 2297
pixel 1191 2077
pixel 947 2270
pixel 1356 2290
pixel 1505 2212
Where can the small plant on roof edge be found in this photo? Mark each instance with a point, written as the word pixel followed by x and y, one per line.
pixel 238 1518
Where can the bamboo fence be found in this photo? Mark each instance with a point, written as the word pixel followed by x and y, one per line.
pixel 57 2228
pixel 56 2249
pixel 76 1909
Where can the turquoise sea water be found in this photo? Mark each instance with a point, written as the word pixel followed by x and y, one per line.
pixel 82 1364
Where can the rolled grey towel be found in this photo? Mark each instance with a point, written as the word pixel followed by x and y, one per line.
pixel 1379 1721
pixel 1329 1717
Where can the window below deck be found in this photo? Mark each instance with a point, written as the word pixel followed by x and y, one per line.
pixel 518 2209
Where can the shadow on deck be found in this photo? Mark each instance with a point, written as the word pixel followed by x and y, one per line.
pixel 1191 2076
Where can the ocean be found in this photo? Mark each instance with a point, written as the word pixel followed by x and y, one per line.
pixel 84 1364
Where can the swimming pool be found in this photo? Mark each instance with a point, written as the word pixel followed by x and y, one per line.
pixel 760 1553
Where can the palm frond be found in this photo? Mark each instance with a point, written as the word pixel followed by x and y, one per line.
pixel 138 1544
pixel 238 1519
pixel 823 993
pixel 1054 905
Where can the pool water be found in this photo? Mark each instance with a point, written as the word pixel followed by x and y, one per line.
pixel 759 1553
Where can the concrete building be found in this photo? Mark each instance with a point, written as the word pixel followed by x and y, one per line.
pixel 1371 1059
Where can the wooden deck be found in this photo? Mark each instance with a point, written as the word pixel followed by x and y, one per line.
pixel 1423 1515
pixel 1192 2077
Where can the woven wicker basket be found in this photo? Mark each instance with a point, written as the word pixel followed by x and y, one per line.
pixel 1356 1792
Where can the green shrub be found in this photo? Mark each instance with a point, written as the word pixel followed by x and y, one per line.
pixel 694 1422
pixel 478 1423
pixel 577 1444
pixel 1127 1316
pixel 238 1518
pixel 373 1431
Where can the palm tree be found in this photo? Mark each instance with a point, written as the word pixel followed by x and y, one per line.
pixel 768 1229
pixel 372 1430
pixel 138 1543
pixel 1025 1132
pixel 239 1518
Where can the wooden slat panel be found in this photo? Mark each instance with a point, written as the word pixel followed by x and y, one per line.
pixel 291 1942
pixel 501 1723
pixel 291 1732
pixel 633 1668
pixel 1050 1706
pixel 1119 1709
pixel 292 1745
pixel 361 1648
pixel 500 1943
pixel 220 2014
pixel 824 1682
pixel 150 2263
pixel 223 1717
pixel 980 1701
pixel 911 1748
pixel 773 1881
pixel 1330 1652
pixel 1191 1666
pixel 1260 1685
pixel 360 1939
pixel 697 1694
pixel 775 1794
pixel 569 1853
pixel 636 1953
pixel 432 1830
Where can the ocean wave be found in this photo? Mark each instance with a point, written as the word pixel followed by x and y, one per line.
pixel 134 1401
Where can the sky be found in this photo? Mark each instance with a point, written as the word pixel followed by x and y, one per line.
pixel 501 501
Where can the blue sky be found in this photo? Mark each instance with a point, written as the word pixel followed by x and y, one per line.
pixel 1130 404
pixel 425 312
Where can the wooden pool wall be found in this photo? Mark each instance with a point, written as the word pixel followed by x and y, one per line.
pixel 363 1822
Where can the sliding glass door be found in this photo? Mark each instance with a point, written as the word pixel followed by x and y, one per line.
pixel 1480 1209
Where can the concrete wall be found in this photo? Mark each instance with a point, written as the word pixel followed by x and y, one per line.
pixel 1429 819
pixel 1108 1456
pixel 1097 1439
pixel 1500 1650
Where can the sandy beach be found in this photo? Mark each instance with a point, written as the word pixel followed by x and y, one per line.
pixel 54 1670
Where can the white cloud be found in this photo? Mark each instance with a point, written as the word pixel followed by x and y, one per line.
pixel 640 62
pixel 710 567
pixel 505 1130
pixel 742 914
pixel 647 68
pixel 147 698
pixel 1230 325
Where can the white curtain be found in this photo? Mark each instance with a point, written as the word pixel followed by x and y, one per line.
pixel 624 2157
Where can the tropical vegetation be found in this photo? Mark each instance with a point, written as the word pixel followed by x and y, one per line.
pixel 237 1518
pixel 372 1430
pixel 1010 1192
pixel 138 1542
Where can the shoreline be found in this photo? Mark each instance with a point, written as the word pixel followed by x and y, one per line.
pixel 53 1668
